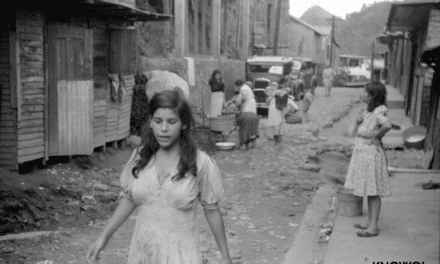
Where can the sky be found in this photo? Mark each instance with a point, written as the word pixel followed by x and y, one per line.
pixel 337 7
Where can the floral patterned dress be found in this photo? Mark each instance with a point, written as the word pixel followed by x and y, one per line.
pixel 368 169
pixel 166 230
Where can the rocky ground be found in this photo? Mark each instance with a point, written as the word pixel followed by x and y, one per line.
pixel 267 193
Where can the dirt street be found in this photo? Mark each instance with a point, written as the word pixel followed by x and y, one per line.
pixel 267 192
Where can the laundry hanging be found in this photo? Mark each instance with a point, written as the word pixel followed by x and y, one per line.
pixel 117 88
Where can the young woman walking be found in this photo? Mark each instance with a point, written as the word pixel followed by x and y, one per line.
pixel 166 178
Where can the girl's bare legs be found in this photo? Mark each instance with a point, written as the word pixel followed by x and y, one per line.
pixel 374 204
pixel 254 143
pixel 275 137
pixel 305 116
pixel 370 209
pixel 279 141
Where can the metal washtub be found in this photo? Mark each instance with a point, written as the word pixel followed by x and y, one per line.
pixel 222 123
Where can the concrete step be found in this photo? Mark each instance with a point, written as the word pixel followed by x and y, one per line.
pixel 395 104
pixel 395 100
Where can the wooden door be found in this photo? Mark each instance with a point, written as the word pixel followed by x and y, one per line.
pixel 70 91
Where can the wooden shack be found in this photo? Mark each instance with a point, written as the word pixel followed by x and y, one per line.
pixel 413 38
pixel 56 61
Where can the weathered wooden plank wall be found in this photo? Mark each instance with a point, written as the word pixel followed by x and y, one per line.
pixel 8 114
pixel 426 98
pixel 421 89
pixel 433 39
pixel 100 81
pixel 122 61
pixel 124 110
pixel 30 126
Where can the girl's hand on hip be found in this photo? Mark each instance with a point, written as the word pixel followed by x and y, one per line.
pixel 360 116
pixel 93 253
pixel 376 141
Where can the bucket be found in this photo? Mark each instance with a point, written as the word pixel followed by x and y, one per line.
pixel 232 137
pixel 414 137
pixel 222 123
pixel 348 203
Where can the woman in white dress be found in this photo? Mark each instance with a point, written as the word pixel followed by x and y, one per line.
pixel 217 93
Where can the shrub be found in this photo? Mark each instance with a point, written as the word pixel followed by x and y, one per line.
pixel 139 108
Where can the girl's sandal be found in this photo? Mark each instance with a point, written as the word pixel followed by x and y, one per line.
pixel 366 234
pixel 358 226
pixel 430 185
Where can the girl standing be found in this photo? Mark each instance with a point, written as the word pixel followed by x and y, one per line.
pixel 165 179
pixel 217 93
pixel 368 170
pixel 276 117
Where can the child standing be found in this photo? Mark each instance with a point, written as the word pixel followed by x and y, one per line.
pixel 276 117
pixel 368 170
pixel 306 103
pixel 165 179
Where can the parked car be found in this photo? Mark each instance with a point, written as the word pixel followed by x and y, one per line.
pixel 262 70
pixel 305 77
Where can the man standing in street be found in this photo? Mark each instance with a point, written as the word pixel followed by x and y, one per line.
pixel 327 76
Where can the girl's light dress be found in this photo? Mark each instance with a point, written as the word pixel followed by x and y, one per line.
pixel 276 117
pixel 166 230
pixel 368 169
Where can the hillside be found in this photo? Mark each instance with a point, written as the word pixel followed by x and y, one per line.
pixel 358 30
pixel 317 16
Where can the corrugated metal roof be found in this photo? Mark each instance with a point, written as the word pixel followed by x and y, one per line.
pixel 409 16
pixel 327 30
pixel 316 29
pixel 118 9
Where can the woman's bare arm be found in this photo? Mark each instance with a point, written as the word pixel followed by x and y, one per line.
pixel 215 221
pixel 122 212
pixel 377 138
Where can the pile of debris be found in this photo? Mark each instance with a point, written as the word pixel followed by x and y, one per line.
pixel 45 206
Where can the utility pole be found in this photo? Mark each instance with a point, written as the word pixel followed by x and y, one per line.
pixel 277 28
pixel 251 52
pixel 332 38
pixel 372 63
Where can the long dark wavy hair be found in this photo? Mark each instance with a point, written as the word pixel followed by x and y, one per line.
pixel 213 75
pixel 378 93
pixel 171 99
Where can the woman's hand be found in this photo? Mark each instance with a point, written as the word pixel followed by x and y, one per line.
pixel 359 118
pixel 93 253
pixel 376 141
pixel 227 261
